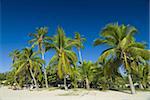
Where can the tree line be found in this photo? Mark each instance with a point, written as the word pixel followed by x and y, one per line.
pixel 65 67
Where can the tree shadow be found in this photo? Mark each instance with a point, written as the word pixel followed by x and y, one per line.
pixel 127 92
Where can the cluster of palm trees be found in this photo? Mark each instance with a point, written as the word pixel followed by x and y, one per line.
pixel 123 52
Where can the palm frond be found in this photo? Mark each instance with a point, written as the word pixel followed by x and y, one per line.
pixel 53 59
pixel 71 55
pixel 99 42
pixel 106 54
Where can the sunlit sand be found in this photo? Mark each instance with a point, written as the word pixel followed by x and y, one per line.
pixel 8 94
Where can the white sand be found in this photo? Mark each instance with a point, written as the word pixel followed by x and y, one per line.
pixel 8 94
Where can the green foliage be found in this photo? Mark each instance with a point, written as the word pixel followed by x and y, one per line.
pixel 122 46
pixel 28 62
pixel 123 51
pixel 64 58
pixel 52 75
pixel 75 76
pixel 107 74
pixel 87 73
pixel 14 55
pixel 79 39
pixel 122 43
pixel 2 76
pixel 10 78
pixel 39 38
pixel 87 70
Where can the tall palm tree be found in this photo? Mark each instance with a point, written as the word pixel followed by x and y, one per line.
pixel 39 38
pixel 80 40
pixel 29 61
pixel 86 72
pixel 122 45
pixel 64 57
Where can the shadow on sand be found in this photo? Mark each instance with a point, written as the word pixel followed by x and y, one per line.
pixel 123 91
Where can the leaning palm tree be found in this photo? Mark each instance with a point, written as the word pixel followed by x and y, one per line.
pixel 64 57
pixel 15 56
pixel 86 72
pixel 39 39
pixel 29 61
pixel 80 40
pixel 122 46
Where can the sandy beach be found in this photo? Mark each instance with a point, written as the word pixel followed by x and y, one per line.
pixel 8 94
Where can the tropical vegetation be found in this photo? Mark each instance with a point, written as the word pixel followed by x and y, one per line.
pixel 123 65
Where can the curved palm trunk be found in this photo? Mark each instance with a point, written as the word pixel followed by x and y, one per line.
pixel 45 74
pixel 87 83
pixel 129 75
pixel 65 83
pixel 35 82
pixel 80 55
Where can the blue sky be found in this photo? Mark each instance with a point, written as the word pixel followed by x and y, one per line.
pixel 21 17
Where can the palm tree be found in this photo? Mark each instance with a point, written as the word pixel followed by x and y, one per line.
pixel 122 45
pixel 75 76
pixel 64 58
pixel 29 61
pixel 108 73
pixel 39 39
pixel 52 75
pixel 140 70
pixel 80 40
pixel 14 55
pixel 86 72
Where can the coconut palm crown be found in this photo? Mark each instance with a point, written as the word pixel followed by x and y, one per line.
pixel 65 57
pixel 120 39
pixel 29 61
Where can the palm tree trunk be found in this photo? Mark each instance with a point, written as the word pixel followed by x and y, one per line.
pixel 17 82
pixel 45 74
pixel 33 78
pixel 80 55
pixel 141 86
pixel 131 84
pixel 87 83
pixel 65 83
pixel 129 75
